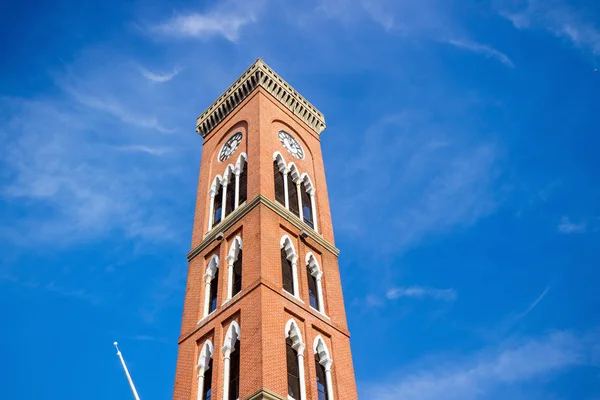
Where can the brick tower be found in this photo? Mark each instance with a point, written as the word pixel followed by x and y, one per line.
pixel 264 312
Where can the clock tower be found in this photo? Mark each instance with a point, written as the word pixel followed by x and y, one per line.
pixel 264 312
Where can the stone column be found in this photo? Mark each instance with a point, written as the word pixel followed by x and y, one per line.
pixel 320 292
pixel 328 379
pixel 285 188
pixel 300 352
pixel 200 395
pixel 237 188
pixel 207 279
pixel 226 369
pixel 295 278
pixel 230 261
pixel 314 209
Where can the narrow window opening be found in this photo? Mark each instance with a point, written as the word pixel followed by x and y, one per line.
pixel 230 199
pixel 287 272
pixel 208 382
pixel 243 184
pixel 234 373
pixel 237 274
pixel 218 206
pixel 321 380
pixel 293 196
pixel 214 285
pixel 312 290
pixel 279 190
pixel 307 211
pixel 292 370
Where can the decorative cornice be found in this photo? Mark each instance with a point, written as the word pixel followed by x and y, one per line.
pixel 244 209
pixel 259 74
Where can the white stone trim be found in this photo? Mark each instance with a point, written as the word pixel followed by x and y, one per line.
pixel 212 192
pixel 320 348
pixel 317 272
pixel 237 170
pixel 206 354
pixel 292 331
pixel 211 272
pixel 291 254
pixel 232 256
pixel 231 338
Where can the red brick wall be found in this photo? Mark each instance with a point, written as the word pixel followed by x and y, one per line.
pixel 262 308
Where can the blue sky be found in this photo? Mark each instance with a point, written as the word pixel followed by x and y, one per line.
pixel 461 156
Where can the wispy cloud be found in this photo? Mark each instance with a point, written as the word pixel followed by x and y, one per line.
pixel 117 110
pixel 566 226
pixel 488 371
pixel 433 181
pixel 485 50
pixel 157 77
pixel 558 18
pixel 227 20
pixel 421 292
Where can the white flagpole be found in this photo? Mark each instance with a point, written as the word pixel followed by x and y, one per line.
pixel 126 372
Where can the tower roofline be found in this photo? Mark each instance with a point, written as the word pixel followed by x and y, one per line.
pixel 260 74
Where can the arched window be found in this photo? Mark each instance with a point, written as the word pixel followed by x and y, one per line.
pixel 218 213
pixel 234 263
pixel 306 207
pixel 229 180
pixel 294 350
pixel 205 361
pixel 312 290
pixel 308 202
pixel 292 189
pixel 211 279
pixel 289 272
pixel 242 171
pixel 216 202
pixel 323 368
pixel 315 285
pixel 279 174
pixel 231 363
pixel 292 370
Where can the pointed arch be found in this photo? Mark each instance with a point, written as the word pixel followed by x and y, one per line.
pixel 286 243
pixel 306 181
pixel 292 331
pixel 314 276
pixel 294 348
pixel 279 160
pixel 206 354
pixel 234 271
pixel 232 336
pixel 323 363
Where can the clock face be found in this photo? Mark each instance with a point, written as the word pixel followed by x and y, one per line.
pixel 230 145
pixel 291 144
